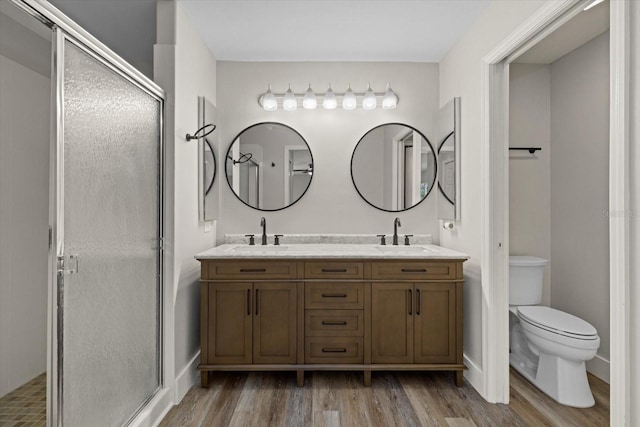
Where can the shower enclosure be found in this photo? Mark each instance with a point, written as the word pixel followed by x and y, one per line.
pixel 105 229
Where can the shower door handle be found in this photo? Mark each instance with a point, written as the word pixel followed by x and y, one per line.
pixel 71 262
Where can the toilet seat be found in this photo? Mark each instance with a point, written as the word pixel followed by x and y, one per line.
pixel 557 322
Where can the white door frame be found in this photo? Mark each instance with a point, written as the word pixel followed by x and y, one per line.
pixel 495 198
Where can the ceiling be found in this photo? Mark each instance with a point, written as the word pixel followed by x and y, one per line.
pixel 332 30
pixel 580 29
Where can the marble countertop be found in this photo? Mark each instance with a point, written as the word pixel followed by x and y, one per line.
pixel 330 251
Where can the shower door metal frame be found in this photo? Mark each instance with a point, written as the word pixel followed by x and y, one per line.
pixel 67 30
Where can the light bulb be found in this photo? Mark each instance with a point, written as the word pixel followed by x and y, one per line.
pixel 289 102
pixel 269 101
pixel 390 99
pixel 349 100
pixel 329 101
pixel 309 102
pixel 369 102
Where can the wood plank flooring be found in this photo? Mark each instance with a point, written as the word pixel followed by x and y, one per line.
pixel 331 399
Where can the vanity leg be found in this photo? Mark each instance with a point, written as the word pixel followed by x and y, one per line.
pixel 204 379
pixel 300 377
pixel 459 378
pixel 367 378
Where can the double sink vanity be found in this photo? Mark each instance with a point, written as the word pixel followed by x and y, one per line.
pixel 331 306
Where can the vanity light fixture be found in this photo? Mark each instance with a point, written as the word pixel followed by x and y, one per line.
pixel 349 100
pixel 329 101
pixel 390 99
pixel 289 100
pixel 369 102
pixel 309 102
pixel 269 101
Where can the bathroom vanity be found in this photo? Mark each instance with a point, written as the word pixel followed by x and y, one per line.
pixel 331 307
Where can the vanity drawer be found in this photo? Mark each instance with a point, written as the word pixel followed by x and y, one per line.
pixel 341 296
pixel 242 270
pixel 334 323
pixel 334 350
pixel 333 270
pixel 414 270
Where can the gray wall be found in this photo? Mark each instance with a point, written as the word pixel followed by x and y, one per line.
pixel 580 188
pixel 530 175
pixel 460 75
pixel 25 89
pixel 185 68
pixel 331 205
pixel 558 197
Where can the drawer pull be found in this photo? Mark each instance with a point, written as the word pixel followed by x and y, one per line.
pixel 253 270
pixel 414 270
pixel 334 295
pixel 334 270
pixel 334 322
pixel 334 350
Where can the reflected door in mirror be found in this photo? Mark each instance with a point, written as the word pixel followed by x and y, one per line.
pixel 269 166
pixel 393 167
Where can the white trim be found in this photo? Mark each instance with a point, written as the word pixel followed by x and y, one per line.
pixel 619 194
pixel 287 171
pixel 600 367
pixel 187 378
pixel 473 374
pixel 154 411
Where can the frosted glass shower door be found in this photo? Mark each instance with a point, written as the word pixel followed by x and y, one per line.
pixel 108 191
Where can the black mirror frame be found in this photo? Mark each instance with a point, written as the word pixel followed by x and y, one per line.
pixel 440 148
pixel 226 160
pixel 435 165
pixel 215 166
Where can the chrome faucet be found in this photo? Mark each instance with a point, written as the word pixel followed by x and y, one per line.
pixel 263 223
pixel 396 224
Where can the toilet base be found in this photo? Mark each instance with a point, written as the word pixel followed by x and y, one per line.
pixel 565 381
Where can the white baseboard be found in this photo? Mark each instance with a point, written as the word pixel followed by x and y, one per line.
pixel 187 378
pixel 155 411
pixel 474 375
pixel 599 366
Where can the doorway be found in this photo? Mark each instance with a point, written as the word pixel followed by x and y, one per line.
pixel 495 206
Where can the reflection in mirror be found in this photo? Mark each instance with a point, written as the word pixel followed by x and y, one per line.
pixel 207 165
pixel 269 166
pixel 448 125
pixel 393 167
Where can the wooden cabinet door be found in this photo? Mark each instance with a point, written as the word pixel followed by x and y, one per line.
pixel 229 327
pixel 392 323
pixel 435 323
pixel 274 323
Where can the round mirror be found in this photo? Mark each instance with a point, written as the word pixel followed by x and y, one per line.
pixel 393 167
pixel 269 166
pixel 209 166
pixel 447 168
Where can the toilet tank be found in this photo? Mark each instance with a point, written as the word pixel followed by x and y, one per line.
pixel 525 280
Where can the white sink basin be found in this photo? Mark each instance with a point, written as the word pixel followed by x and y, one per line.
pixel 403 249
pixel 258 248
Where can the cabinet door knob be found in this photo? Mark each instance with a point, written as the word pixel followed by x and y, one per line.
pixel 248 302
pixel 418 302
pixel 410 295
pixel 257 300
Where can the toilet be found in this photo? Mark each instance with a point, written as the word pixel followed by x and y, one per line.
pixel 547 346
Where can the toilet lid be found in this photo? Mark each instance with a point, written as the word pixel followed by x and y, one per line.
pixel 557 321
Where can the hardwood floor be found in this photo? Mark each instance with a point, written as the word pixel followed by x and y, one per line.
pixel 394 399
